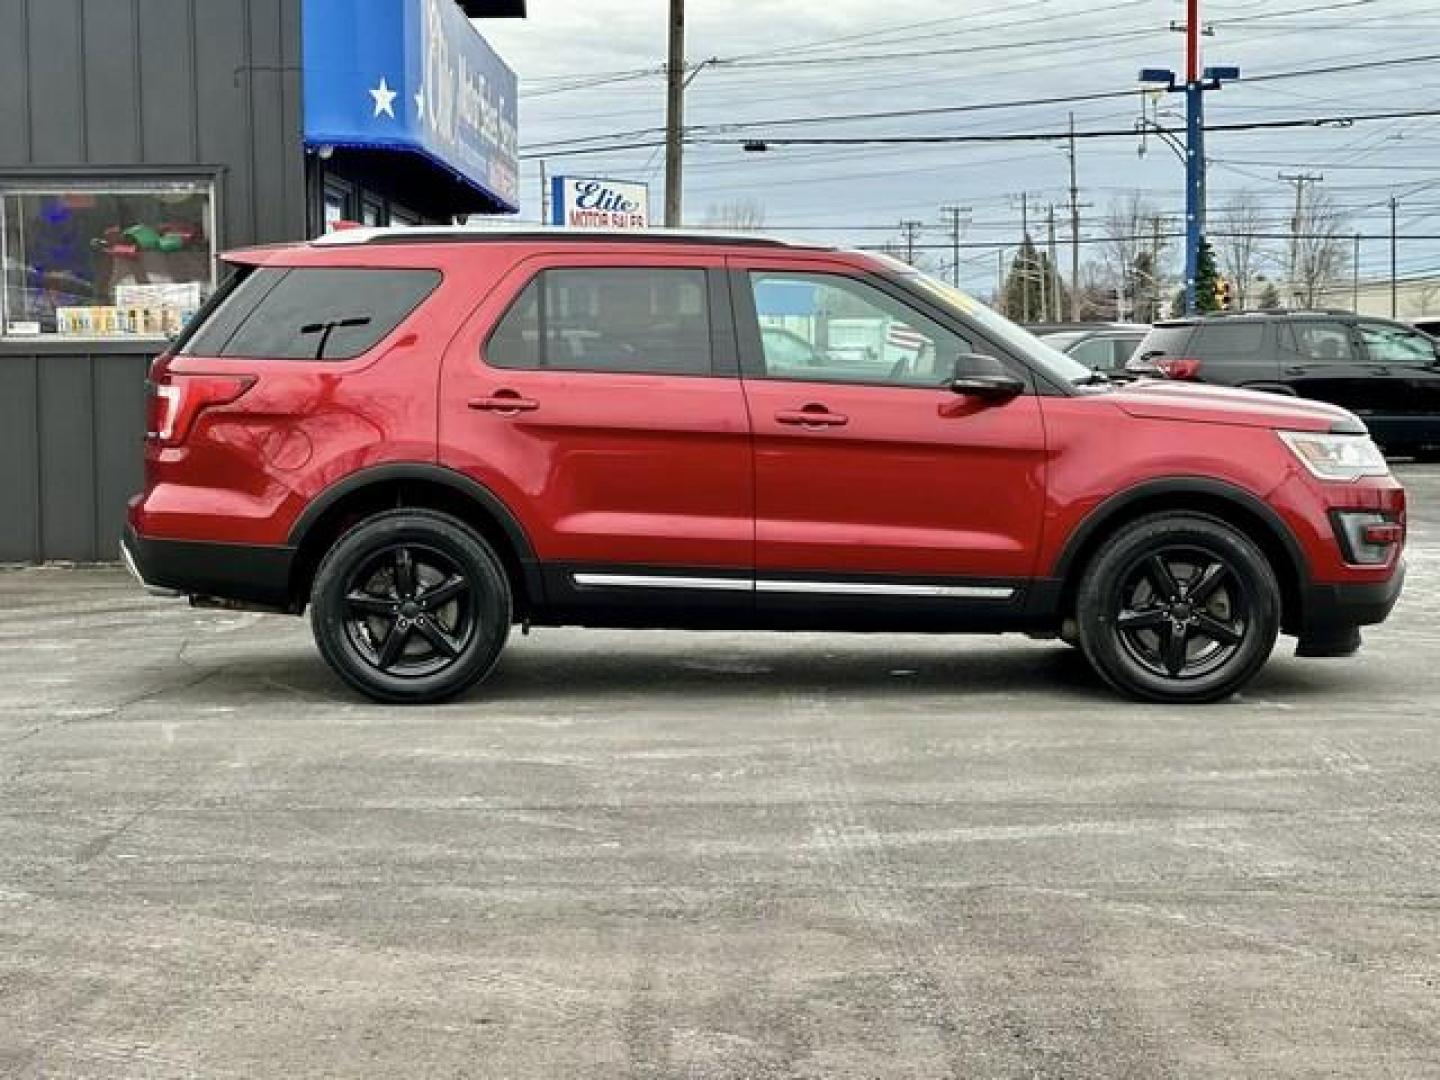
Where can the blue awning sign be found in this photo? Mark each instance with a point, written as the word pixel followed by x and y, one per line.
pixel 412 75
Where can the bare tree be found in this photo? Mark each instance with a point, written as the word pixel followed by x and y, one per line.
pixel 1134 254
pixel 740 214
pixel 1321 249
pixel 1237 243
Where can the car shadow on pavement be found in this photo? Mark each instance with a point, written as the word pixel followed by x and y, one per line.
pixel 644 665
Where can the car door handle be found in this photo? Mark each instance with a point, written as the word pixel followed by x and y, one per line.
pixel 504 401
pixel 816 416
pixel 1294 369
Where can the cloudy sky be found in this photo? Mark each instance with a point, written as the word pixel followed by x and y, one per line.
pixel 591 69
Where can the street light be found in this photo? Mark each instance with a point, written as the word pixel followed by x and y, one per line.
pixel 1211 78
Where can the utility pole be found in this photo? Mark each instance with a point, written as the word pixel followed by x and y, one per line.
pixel 1297 224
pixel 674 114
pixel 1052 279
pixel 1074 231
pixel 955 217
pixel 1194 154
pixel 911 229
pixel 544 195
pixel 1197 81
pixel 1000 304
pixel 1023 271
pixel 1394 298
pixel 1155 268
pixel 1355 277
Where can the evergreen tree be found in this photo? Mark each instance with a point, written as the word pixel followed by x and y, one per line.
pixel 1207 277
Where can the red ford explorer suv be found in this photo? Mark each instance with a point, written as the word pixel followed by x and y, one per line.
pixel 427 436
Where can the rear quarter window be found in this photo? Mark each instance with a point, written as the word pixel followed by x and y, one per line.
pixel 1165 341
pixel 310 313
pixel 1235 343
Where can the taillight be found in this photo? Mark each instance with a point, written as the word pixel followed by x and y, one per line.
pixel 1177 367
pixel 177 399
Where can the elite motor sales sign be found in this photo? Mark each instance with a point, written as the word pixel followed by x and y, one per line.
pixel 589 202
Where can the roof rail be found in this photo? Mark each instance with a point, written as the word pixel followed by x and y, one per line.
pixel 469 234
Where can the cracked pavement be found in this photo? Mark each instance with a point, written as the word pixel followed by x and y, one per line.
pixel 661 854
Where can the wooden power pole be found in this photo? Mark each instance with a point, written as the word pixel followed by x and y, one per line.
pixel 674 114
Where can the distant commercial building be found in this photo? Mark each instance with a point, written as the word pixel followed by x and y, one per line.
pixel 1415 297
pixel 140 137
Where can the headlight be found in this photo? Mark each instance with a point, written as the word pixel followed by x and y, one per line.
pixel 1336 457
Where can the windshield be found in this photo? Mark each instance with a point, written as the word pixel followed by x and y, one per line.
pixel 1050 360
pixel 1063 339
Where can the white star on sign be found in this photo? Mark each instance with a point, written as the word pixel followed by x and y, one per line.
pixel 384 99
pixel 420 103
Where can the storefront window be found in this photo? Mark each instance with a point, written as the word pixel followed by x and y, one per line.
pixel 104 260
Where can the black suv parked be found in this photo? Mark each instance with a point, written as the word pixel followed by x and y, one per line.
pixel 1385 372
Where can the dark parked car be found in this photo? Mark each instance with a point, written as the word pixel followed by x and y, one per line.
pixel 1105 348
pixel 1385 372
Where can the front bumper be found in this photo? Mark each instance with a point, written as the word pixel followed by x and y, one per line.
pixel 241 573
pixel 1327 606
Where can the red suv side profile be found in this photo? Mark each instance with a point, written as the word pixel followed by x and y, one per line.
pixel 427 436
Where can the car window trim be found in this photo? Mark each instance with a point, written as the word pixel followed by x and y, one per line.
pixel 724 349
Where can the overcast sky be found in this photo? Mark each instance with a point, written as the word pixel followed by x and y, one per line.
pixel 801 58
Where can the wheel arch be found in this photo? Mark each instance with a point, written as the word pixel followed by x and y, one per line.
pixel 422 486
pixel 1184 494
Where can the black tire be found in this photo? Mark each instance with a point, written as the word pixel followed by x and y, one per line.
pixel 426 577
pixel 1178 608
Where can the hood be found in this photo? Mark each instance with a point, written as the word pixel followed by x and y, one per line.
pixel 1166 399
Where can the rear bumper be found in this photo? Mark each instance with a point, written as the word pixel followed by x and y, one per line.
pixel 1330 607
pixel 244 573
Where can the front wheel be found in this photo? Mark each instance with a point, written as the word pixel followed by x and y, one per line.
pixel 410 607
pixel 1178 608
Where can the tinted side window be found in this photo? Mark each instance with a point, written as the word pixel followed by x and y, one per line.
pixel 1325 342
pixel 1165 341
pixel 216 322
pixel 1397 345
pixel 1233 343
pixel 827 328
pixel 632 320
pixel 1095 353
pixel 320 313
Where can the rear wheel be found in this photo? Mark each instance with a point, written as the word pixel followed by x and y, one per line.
pixel 410 607
pixel 1178 608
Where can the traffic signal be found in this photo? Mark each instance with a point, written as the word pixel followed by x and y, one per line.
pixel 1223 294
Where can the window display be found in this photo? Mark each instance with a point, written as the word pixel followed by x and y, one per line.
pixel 111 260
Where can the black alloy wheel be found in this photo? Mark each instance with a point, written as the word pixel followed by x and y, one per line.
pixel 411 606
pixel 1178 608
pixel 409 610
pixel 1181 612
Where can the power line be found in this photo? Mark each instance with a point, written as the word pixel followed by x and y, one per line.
pixel 759 143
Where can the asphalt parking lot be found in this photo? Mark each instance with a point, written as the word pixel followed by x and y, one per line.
pixel 674 855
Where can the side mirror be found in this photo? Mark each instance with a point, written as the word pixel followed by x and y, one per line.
pixel 985 378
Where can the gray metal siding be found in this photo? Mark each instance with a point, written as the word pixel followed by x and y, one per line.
pixel 70 452
pixel 94 86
